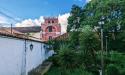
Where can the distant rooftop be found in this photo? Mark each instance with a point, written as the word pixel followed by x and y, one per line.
pixel 32 29
pixel 6 31
pixel 9 31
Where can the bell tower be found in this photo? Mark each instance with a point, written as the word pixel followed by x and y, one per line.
pixel 50 28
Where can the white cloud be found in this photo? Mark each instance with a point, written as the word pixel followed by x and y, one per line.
pixel 63 21
pixel 83 0
pixel 5 22
pixel 3 19
pixel 88 1
pixel 30 22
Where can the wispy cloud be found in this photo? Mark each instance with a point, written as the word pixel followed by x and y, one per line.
pixel 30 22
pixel 3 19
pixel 5 22
pixel 6 17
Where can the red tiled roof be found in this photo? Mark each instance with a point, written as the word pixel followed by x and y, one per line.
pixel 62 37
pixel 28 29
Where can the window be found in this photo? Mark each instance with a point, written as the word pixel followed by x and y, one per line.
pixel 48 21
pixel 50 37
pixel 52 21
pixel 50 28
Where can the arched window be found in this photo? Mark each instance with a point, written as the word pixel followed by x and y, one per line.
pixel 50 29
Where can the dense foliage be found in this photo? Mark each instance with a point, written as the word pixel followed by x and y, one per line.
pixel 112 12
pixel 61 71
pixel 83 47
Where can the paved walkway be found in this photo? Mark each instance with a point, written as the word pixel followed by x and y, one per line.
pixel 42 69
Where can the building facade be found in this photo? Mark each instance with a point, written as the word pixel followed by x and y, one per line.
pixel 50 29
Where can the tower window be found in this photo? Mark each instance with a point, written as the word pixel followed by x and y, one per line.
pixel 50 28
pixel 48 21
pixel 52 21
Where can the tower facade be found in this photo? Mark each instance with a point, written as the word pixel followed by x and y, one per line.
pixel 50 29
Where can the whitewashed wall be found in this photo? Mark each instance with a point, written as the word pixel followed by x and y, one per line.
pixel 36 56
pixel 16 58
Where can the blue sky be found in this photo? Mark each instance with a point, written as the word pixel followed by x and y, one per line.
pixel 35 8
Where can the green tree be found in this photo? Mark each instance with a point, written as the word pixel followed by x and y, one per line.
pixel 89 44
pixel 74 19
pixel 113 12
pixel 112 70
pixel 74 40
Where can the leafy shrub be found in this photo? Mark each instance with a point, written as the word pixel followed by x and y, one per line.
pixel 67 57
pixel 112 70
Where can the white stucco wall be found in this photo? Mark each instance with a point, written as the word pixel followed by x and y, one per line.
pixel 36 56
pixel 11 51
pixel 16 58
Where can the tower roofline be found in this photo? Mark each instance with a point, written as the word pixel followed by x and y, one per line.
pixel 50 17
